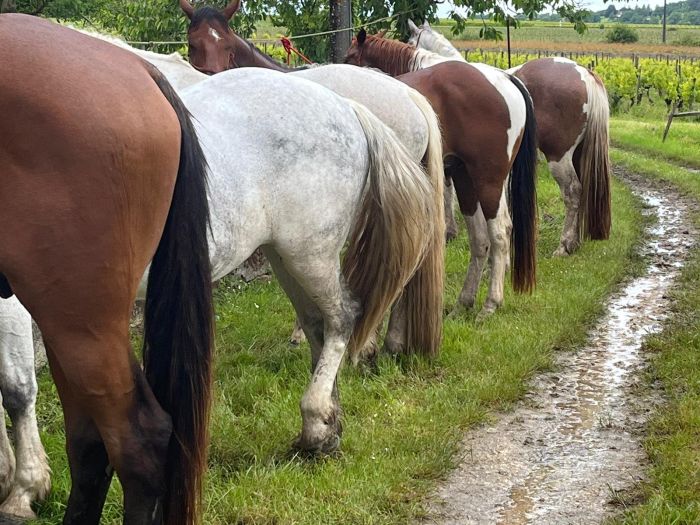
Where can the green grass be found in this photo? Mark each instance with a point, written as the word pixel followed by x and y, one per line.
pixel 682 145
pixel 672 493
pixel 403 424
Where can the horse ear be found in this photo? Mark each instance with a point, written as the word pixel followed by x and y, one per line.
pixel 426 24
pixel 187 8
pixel 361 37
pixel 412 26
pixel 231 9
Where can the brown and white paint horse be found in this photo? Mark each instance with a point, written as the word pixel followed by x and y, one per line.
pixel 571 108
pixel 101 173
pixel 487 131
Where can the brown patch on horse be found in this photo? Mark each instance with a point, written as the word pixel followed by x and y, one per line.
pixel 475 119
pixel 558 106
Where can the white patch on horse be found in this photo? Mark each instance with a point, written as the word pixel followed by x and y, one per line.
pixel 513 98
pixel 214 33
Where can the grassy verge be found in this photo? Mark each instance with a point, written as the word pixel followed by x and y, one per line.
pixel 672 494
pixel 681 146
pixel 403 424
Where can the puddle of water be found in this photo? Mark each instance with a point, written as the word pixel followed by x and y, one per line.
pixel 574 443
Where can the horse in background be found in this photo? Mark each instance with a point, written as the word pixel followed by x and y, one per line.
pixel 572 113
pixel 25 477
pixel 101 177
pixel 488 129
pixel 214 48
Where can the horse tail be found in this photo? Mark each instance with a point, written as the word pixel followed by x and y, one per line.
pixel 593 165
pixel 178 324
pixel 424 292
pixel 393 231
pixel 522 195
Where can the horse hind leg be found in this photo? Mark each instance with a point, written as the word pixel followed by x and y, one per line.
pixel 499 240
pixel 32 478
pixel 564 173
pixel 328 315
pixel 113 422
pixel 479 249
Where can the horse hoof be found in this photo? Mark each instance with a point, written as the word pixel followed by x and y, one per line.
pixel 16 510
pixel 313 448
pixel 485 313
pixel 450 235
pixel 459 311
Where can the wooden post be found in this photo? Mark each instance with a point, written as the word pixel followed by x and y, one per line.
pixel 670 119
pixel 663 31
pixel 340 18
pixel 508 37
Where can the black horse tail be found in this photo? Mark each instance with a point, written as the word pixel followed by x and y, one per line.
pixel 179 327
pixel 522 195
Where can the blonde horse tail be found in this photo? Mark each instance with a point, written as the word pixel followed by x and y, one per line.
pixel 393 230
pixel 423 294
pixel 593 165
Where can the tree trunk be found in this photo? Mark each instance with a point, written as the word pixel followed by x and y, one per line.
pixel 341 18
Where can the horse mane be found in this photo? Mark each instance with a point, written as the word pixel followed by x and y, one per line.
pixel 258 52
pixel 391 56
pixel 207 14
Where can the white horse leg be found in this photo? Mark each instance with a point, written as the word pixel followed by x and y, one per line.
pixel 32 475
pixel 328 321
pixel 18 386
pixel 451 229
pixel 506 222
pixel 564 173
pixel 479 248
pixel 498 235
pixel 7 458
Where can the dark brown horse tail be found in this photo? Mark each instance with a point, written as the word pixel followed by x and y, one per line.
pixel 593 165
pixel 522 194
pixel 179 328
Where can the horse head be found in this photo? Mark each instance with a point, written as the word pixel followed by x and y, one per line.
pixel 354 53
pixel 211 40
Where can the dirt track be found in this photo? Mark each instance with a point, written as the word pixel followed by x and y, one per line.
pixel 574 444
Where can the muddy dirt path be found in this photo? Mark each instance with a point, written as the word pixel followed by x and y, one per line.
pixel 575 441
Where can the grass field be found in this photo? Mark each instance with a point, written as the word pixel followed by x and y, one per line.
pixel 403 423
pixel 672 494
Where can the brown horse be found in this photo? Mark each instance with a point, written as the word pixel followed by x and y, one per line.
pixel 214 48
pixel 100 173
pixel 486 133
pixel 572 113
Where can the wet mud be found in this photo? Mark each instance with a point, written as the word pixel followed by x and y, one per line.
pixel 573 445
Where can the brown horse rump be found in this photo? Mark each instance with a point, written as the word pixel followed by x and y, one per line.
pixel 560 119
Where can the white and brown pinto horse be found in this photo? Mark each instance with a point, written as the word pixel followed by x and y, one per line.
pixel 572 112
pixel 488 130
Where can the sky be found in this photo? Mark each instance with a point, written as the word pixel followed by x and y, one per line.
pixel 593 5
